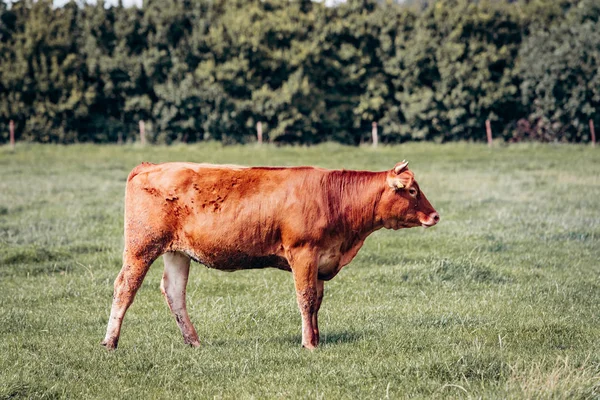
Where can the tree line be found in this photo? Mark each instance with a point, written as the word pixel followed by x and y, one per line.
pixel 198 70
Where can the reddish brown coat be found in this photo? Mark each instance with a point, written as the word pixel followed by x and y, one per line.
pixel 307 220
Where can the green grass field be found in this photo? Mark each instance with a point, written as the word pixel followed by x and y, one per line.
pixel 500 300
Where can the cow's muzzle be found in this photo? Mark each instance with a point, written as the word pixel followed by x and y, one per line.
pixel 431 220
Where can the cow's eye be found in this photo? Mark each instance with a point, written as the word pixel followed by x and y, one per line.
pixel 412 192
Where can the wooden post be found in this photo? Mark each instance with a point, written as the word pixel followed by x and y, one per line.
pixel 11 128
pixel 259 132
pixel 142 133
pixel 374 134
pixel 593 132
pixel 488 130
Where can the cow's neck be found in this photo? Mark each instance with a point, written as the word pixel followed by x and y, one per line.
pixel 357 195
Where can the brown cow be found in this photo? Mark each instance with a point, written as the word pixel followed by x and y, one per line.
pixel 306 220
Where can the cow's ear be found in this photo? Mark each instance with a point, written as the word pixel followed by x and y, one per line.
pixel 400 167
pixel 395 183
pixel 400 177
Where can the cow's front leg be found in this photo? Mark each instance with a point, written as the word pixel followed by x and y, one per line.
pixel 315 323
pixel 304 268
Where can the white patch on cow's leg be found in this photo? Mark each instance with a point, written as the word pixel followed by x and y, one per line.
pixel 173 284
pixel 126 285
pixel 315 322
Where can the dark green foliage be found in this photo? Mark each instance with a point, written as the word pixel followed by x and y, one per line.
pixel 457 68
pixel 211 69
pixel 560 76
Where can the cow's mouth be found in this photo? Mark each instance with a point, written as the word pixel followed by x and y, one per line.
pixel 432 220
pixel 395 225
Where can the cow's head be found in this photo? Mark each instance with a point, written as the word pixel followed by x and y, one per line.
pixel 403 205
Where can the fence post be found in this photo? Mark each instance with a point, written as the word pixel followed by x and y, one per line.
pixel 11 128
pixel 593 132
pixel 488 130
pixel 374 134
pixel 142 133
pixel 259 132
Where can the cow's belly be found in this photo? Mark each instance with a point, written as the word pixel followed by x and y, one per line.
pixel 329 261
pixel 234 261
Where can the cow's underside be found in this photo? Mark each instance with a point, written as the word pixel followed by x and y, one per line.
pixel 230 262
pixel 329 262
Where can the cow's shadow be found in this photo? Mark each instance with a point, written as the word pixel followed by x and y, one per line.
pixel 328 338
pixel 343 337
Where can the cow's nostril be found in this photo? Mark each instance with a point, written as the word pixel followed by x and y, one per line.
pixel 436 217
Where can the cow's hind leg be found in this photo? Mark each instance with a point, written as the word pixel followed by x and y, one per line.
pixel 126 285
pixel 174 281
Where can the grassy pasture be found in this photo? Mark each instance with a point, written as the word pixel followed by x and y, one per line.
pixel 500 300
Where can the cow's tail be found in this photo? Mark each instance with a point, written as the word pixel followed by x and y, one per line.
pixel 138 169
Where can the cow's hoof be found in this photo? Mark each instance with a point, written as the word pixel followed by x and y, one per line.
pixel 110 344
pixel 191 340
pixel 309 346
pixel 193 343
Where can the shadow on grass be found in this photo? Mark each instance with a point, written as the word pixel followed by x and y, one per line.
pixel 343 337
pixel 327 338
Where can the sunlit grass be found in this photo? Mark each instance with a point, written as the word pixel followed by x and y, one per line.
pixel 500 300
